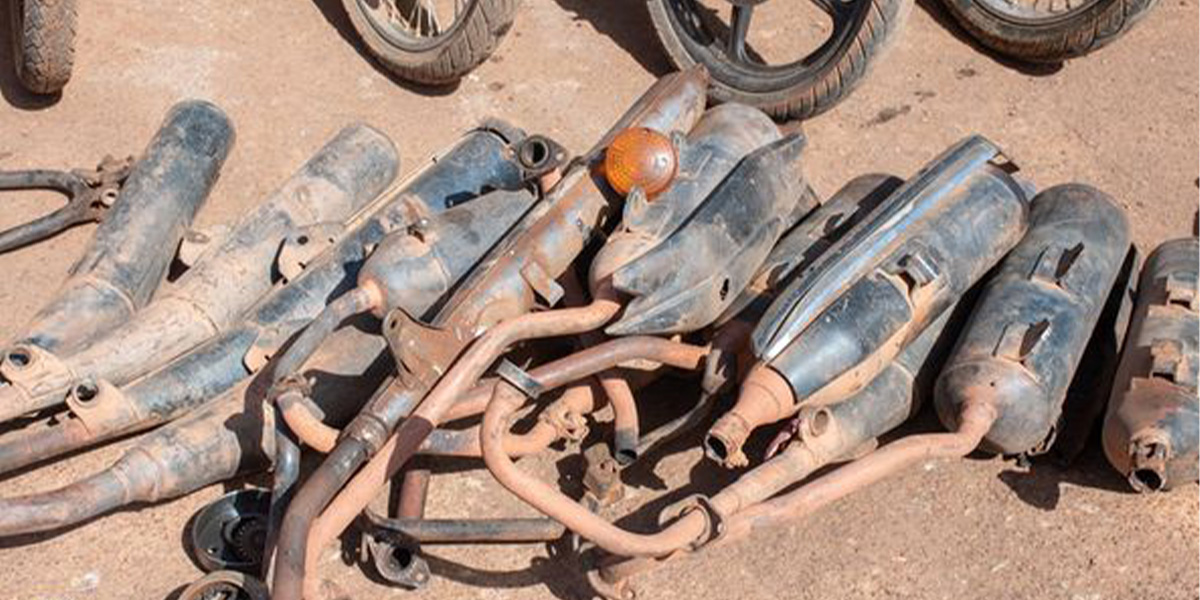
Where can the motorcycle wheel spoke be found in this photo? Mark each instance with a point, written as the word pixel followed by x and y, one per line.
pixel 739 25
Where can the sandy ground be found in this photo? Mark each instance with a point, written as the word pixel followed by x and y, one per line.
pixel 290 74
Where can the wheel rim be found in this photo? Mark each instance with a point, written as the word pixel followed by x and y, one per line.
pixel 1036 12
pixel 726 48
pixel 415 24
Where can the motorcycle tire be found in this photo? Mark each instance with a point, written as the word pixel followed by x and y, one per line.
pixel 1047 31
pixel 800 90
pixel 438 59
pixel 43 34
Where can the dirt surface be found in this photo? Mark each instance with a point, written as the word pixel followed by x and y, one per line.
pixel 290 74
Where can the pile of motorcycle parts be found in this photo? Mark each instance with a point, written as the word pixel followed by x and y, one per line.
pixel 385 330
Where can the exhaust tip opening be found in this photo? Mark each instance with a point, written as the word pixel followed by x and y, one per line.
pixel 1147 480
pixel 715 448
pixel 19 357
pixel 86 392
pixel 534 153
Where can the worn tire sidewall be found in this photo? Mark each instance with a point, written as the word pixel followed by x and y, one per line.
pixel 895 13
pixel 1036 40
pixel 409 61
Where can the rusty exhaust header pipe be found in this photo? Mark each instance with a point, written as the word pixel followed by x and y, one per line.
pixel 1150 432
pixel 131 250
pixel 348 172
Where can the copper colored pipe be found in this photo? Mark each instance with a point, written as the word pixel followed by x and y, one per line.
pixel 743 511
pixel 414 487
pixel 577 400
pixel 506 399
pixel 304 423
pixel 765 397
pixel 375 474
pixel 974 422
pixel 626 429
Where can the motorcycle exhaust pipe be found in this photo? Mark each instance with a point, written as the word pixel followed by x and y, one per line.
pixel 541 248
pixel 684 283
pixel 132 248
pixel 794 253
pixel 348 172
pixel 228 437
pixel 1035 317
pixel 1150 431
pixel 1005 380
pixel 101 411
pixel 834 329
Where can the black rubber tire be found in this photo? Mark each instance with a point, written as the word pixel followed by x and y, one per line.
pixel 1051 39
pixel 43 33
pixel 792 97
pixel 470 41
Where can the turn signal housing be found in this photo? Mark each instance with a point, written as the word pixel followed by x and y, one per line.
pixel 641 158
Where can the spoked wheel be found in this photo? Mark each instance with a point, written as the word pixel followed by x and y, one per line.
pixel 431 41
pixel 1047 30
pixel 791 59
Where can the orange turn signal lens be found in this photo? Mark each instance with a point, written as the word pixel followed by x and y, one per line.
pixel 640 157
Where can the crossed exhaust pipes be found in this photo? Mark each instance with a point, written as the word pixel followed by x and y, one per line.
pixel 358 322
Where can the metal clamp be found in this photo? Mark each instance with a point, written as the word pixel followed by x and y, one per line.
pixel 520 379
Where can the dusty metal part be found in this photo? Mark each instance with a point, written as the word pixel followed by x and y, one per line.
pixel 131 250
pixel 90 193
pixel 686 281
pixel 1031 326
pixel 709 152
pixel 837 326
pixel 346 174
pixel 550 238
pixel 228 436
pixel 226 585
pixel 971 163
pixel 412 270
pixel 396 557
pixel 468 531
pixel 230 532
pixel 1150 432
pixel 796 251
pixel 808 239
pixel 1087 395
pixel 602 485
pixel 246 348
pixel 540 155
pixel 408 273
